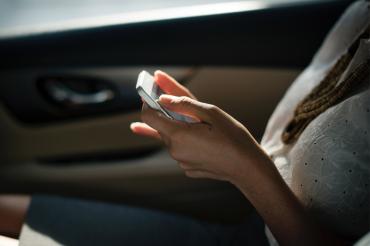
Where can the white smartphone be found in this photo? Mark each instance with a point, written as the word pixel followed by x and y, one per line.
pixel 150 93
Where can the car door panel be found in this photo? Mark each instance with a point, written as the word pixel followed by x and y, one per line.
pixel 242 62
pixel 100 158
pixel 111 133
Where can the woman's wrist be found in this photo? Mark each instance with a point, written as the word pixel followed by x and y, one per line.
pixel 261 183
pixel 252 167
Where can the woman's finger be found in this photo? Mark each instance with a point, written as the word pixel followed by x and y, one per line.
pixel 196 171
pixel 188 106
pixel 187 166
pixel 170 85
pixel 143 129
pixel 202 174
pixel 159 122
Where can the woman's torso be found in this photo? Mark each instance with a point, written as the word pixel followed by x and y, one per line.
pixel 328 168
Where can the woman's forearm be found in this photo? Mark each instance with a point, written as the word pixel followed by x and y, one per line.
pixel 276 203
pixel 220 147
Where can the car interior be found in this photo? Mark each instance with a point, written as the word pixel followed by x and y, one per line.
pixel 67 91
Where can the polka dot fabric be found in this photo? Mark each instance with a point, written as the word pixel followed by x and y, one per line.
pixel 328 167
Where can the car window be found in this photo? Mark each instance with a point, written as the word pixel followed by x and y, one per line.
pixel 45 15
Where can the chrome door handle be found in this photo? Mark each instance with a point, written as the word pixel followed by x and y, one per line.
pixel 60 93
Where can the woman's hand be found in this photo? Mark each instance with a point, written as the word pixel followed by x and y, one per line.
pixel 170 86
pixel 220 147
pixel 217 147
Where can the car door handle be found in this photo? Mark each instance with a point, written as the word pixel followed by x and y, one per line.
pixel 76 92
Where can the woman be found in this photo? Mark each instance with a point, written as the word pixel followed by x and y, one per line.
pixel 308 180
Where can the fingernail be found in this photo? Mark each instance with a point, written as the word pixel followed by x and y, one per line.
pixel 165 98
pixel 132 126
pixel 157 72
